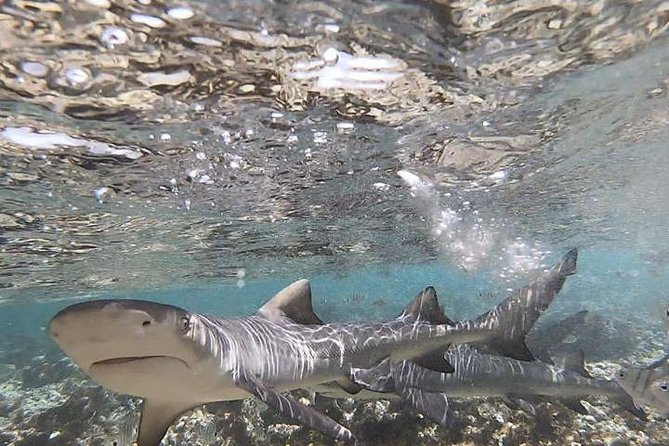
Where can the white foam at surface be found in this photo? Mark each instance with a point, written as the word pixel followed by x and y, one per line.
pixel 99 3
pixel 47 140
pixel 200 40
pixel 148 20
pixel 338 69
pixel 154 78
pixel 27 137
pixel 180 13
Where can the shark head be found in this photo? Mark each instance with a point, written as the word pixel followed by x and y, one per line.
pixel 128 346
pixel 649 386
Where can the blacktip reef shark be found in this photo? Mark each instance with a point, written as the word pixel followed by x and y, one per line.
pixel 176 360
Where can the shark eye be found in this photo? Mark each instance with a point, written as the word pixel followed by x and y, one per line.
pixel 184 324
pixel 664 386
pixel 621 374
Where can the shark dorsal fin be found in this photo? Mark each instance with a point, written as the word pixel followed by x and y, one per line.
pixel 425 307
pixel 292 302
pixel 574 362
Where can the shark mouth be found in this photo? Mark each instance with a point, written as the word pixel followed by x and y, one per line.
pixel 130 359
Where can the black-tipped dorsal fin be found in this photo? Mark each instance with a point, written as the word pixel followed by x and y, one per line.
pixel 292 302
pixel 157 416
pixel 574 362
pixel 425 307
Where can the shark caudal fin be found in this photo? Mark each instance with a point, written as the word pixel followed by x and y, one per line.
pixel 511 320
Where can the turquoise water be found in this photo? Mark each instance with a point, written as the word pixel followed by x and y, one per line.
pixel 210 155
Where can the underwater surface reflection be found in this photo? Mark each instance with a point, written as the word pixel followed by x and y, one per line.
pixel 208 153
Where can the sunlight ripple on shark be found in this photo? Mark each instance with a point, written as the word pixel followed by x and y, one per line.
pixel 176 359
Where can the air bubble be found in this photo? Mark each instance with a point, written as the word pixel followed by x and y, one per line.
pixel 76 76
pixel 113 36
pixel 36 69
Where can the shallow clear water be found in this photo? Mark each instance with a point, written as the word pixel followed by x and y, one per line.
pixel 209 155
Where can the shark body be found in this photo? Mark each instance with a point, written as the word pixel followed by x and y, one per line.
pixel 477 374
pixel 176 359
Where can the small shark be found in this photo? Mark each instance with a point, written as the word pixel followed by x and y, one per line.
pixel 476 374
pixel 513 374
pixel 176 359
pixel 648 385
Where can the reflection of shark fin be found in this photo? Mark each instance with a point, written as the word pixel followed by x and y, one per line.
pixel 293 409
pixel 433 405
pixel 293 302
pixel 157 416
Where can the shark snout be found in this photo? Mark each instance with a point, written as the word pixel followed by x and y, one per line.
pixel 101 330
pixel 99 321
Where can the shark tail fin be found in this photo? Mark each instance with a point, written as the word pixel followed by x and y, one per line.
pixel 513 318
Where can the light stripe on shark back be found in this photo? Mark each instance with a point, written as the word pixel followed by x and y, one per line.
pixel 272 352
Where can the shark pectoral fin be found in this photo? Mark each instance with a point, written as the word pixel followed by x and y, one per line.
pixel 433 405
pixel 435 361
pixel 574 405
pixel 520 403
pixel 157 416
pixel 293 409
pixel 349 386
pixel 376 379
pixel 627 403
